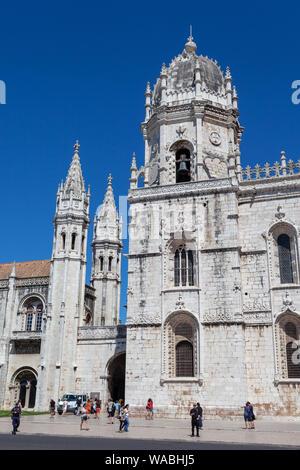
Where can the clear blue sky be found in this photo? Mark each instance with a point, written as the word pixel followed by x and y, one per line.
pixel 78 70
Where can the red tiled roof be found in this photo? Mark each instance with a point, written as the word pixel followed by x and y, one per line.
pixel 26 269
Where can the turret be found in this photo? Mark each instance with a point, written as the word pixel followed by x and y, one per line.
pixel 106 263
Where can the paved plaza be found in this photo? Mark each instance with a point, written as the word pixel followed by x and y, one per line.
pixel 268 432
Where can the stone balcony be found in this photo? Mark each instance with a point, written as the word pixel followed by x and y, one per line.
pixel 26 336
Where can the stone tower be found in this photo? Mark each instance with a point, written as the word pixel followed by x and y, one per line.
pixel 67 286
pixel 184 301
pixel 106 262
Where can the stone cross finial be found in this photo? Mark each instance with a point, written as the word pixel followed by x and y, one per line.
pixel 76 146
pixel 109 179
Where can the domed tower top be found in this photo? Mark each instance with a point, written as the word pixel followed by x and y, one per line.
pixel 188 77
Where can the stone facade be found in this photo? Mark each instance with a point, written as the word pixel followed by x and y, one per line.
pixel 213 309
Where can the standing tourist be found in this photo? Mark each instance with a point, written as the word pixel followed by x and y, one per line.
pixel 111 411
pixel 126 417
pixel 98 408
pixel 84 417
pixel 78 405
pixel 251 415
pixel 121 418
pixel 200 413
pixel 52 408
pixel 117 408
pixel 88 406
pixel 194 421
pixel 65 407
pixel 15 416
pixel 149 409
pixel 248 415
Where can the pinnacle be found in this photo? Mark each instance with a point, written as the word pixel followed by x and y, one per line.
pixel 74 181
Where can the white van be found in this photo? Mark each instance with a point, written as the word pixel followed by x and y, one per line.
pixel 72 402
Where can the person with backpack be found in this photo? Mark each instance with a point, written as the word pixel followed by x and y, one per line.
pixel 111 411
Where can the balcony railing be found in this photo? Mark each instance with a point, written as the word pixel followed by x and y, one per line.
pixel 279 169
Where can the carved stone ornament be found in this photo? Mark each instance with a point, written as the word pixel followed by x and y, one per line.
pixel 288 304
pixel 279 215
pixel 215 138
pixel 180 131
pixel 145 319
pixel 180 303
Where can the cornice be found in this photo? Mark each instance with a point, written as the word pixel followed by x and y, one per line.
pixel 181 190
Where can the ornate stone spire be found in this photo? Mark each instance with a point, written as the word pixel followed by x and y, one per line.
pixel 74 181
pixel 107 220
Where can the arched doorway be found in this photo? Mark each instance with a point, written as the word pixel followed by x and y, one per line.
pixel 25 388
pixel 116 377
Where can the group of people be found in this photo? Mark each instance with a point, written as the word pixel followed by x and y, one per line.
pixel 196 416
pixel 119 411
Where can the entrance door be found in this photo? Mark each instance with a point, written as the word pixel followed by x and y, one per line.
pixel 116 381
pixel 26 383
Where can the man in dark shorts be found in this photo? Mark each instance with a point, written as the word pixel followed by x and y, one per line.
pixel 111 411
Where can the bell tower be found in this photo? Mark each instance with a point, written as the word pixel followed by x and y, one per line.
pixel 184 247
pixel 67 285
pixel 191 128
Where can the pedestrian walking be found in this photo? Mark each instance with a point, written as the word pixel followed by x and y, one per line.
pixel 52 408
pixel 111 411
pixel 78 405
pixel 65 407
pixel 126 417
pixel 200 413
pixel 149 409
pixel 98 408
pixel 84 417
pixel 194 420
pixel 15 417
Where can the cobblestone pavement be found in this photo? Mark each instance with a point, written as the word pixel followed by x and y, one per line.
pixel 271 432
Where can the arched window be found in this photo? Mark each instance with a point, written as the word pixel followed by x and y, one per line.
pixel 63 241
pixel 283 252
pixel 33 314
pixel 180 346
pixel 110 263
pixel 29 317
pixel 285 259
pixel 184 359
pixel 101 263
pixel 183 267
pixel 288 334
pixel 183 165
pixel 73 241
pixel 292 359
